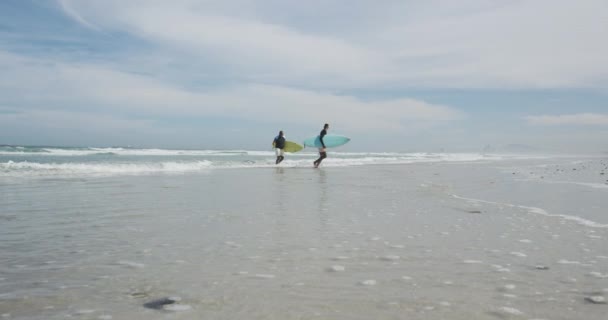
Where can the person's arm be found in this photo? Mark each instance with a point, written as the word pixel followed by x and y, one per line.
pixel 323 133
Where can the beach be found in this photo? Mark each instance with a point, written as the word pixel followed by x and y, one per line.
pixel 366 236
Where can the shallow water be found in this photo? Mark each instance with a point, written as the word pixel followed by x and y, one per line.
pixel 416 241
pixel 17 162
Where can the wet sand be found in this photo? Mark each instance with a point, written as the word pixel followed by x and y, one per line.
pixel 487 240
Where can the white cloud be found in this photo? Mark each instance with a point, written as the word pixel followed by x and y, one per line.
pixel 470 44
pixel 36 84
pixel 253 47
pixel 75 15
pixel 583 119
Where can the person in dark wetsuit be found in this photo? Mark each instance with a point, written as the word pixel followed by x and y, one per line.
pixel 322 152
pixel 279 144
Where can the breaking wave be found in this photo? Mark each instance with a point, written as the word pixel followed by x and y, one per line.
pixel 18 161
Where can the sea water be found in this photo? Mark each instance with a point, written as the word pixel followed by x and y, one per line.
pixel 115 233
pixel 16 161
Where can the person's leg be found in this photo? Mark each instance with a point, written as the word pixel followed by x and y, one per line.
pixel 280 156
pixel 322 155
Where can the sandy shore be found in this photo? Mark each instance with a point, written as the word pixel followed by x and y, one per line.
pixel 487 240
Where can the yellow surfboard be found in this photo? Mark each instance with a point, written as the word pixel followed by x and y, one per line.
pixel 291 146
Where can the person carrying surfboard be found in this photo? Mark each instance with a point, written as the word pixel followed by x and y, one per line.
pixel 279 144
pixel 322 152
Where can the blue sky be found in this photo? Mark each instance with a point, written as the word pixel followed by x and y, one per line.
pixel 394 75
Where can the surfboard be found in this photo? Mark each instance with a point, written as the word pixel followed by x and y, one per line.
pixel 330 140
pixel 291 146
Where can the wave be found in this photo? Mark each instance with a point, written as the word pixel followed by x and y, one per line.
pixel 8 150
pixel 133 152
pixel 76 152
pixel 56 161
pixel 25 168
pixel 262 160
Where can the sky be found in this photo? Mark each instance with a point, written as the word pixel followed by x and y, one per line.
pixel 394 75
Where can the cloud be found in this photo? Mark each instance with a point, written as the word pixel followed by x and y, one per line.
pixel 583 119
pixel 35 84
pixel 65 6
pixel 243 47
pixel 470 44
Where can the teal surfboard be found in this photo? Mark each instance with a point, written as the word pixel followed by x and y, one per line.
pixel 330 140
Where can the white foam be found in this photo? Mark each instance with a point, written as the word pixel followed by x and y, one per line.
pixel 368 283
pixel 24 168
pixel 511 311
pixel 337 268
pixel 596 299
pixel 510 287
pixel 584 184
pixel 232 244
pixel 472 261
pixel 119 161
pixel 500 268
pixel 176 307
pixel 519 254
pixel 598 275
pixel 534 210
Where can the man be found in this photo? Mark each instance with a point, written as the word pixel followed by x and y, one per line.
pixel 322 152
pixel 279 144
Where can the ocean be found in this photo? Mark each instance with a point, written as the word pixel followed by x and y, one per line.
pixel 16 161
pixel 122 233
